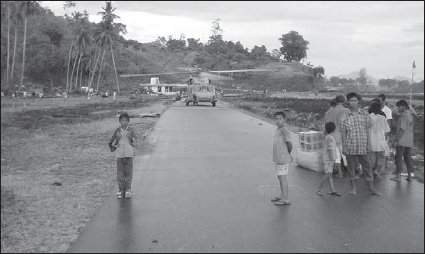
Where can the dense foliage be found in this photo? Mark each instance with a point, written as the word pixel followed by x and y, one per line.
pixel 66 53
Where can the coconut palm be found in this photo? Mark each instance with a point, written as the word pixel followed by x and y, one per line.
pixel 17 19
pixel 82 41
pixel 8 43
pixel 110 32
pixel 27 9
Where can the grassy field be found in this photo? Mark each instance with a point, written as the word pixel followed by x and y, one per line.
pixel 56 167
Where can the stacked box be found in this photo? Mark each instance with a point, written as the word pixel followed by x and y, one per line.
pixel 311 140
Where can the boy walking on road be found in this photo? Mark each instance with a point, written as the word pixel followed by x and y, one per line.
pixel 282 147
pixel 403 141
pixel 356 142
pixel 122 143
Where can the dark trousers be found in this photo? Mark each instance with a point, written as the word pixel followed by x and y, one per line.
pixel 400 153
pixel 124 173
pixel 352 161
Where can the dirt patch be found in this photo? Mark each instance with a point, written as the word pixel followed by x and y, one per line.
pixel 57 170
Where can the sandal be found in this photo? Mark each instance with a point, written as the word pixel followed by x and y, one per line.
pixel 334 193
pixel 320 193
pixel 282 202
pixel 275 199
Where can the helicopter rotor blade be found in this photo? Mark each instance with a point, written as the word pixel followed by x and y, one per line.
pixel 242 70
pixel 152 74
pixel 214 76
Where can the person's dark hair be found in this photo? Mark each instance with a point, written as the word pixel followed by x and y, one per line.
pixel 280 113
pixel 332 103
pixel 124 115
pixel 402 103
pixel 353 94
pixel 375 107
pixel 340 98
pixel 330 127
pixel 382 97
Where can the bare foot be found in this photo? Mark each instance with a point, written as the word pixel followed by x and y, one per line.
pixel 375 192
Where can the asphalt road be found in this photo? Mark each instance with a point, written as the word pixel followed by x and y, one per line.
pixel 207 186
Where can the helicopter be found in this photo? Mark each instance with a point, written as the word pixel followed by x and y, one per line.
pixel 199 89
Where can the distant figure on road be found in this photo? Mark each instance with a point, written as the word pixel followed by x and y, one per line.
pixel 379 145
pixel 403 141
pixel 334 115
pixel 329 156
pixel 122 143
pixel 282 147
pixel 355 129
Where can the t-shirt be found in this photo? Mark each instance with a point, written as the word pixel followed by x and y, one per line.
pixel 388 112
pixel 405 122
pixel 377 132
pixel 281 155
pixel 334 115
pixel 124 146
pixel 329 148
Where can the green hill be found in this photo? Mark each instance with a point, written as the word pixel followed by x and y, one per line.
pixel 154 59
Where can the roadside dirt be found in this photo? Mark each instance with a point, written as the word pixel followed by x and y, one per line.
pixel 56 169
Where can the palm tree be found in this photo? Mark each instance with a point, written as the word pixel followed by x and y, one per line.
pixel 8 43
pixel 27 9
pixel 17 19
pixel 110 32
pixel 81 42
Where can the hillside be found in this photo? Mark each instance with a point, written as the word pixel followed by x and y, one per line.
pixel 154 59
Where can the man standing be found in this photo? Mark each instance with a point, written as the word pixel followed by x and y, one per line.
pixel 334 115
pixel 356 142
pixel 403 141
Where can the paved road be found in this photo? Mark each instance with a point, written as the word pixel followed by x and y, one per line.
pixel 207 186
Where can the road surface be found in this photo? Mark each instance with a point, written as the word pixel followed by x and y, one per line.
pixel 207 185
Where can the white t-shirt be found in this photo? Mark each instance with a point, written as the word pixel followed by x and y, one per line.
pixel 377 133
pixel 388 112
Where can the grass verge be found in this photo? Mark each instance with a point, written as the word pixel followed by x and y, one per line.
pixel 56 171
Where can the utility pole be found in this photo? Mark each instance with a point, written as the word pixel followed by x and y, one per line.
pixel 413 72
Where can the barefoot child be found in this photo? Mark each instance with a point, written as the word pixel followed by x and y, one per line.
pixel 122 143
pixel 282 147
pixel 329 155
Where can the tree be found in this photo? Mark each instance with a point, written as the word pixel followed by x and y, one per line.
pixel 334 80
pixel 258 52
pixel 362 79
pixel 27 9
pixel 111 31
pixel 276 54
pixel 294 47
pixel 17 19
pixel 387 83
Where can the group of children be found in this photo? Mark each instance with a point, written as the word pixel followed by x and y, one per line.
pixel 354 136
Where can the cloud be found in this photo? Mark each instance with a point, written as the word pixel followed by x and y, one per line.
pixel 416 28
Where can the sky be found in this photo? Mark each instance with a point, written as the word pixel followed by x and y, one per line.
pixel 385 37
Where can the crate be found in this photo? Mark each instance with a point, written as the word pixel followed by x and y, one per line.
pixel 311 140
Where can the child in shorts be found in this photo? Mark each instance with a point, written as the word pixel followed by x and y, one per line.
pixel 282 147
pixel 329 155
pixel 122 143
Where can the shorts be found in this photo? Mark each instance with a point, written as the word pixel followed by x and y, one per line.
pixel 282 170
pixel 328 166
